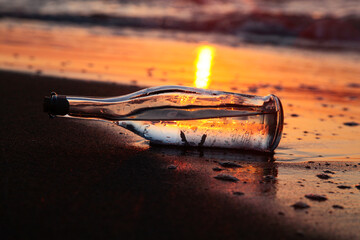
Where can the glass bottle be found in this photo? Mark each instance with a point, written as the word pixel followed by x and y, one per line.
pixel 176 115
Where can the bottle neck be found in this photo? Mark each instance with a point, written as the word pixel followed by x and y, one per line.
pixel 167 104
pixel 100 108
pixel 73 106
pixel 56 105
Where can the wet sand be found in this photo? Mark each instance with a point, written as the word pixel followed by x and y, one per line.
pixel 85 179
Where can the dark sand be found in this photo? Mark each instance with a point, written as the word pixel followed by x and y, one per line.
pixel 73 179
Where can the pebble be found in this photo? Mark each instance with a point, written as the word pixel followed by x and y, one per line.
pixel 278 87
pixel 351 124
pixel 344 187
pixel 300 233
pixel 226 177
pixel 316 197
pixel 253 89
pixel 323 176
pixel 217 169
pixel 300 205
pixel 269 177
pixel 294 115
pixel 338 206
pixel 172 167
pixel 328 171
pixel 230 165
pixel 353 85
pixel 238 193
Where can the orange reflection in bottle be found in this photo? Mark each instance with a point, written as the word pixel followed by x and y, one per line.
pixel 203 66
pixel 213 132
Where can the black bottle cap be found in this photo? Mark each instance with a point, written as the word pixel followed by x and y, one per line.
pixel 56 104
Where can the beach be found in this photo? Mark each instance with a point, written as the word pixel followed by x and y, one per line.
pixel 84 179
pixel 71 178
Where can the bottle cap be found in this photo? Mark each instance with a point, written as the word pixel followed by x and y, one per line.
pixel 56 104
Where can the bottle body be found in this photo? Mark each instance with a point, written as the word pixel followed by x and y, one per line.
pixel 174 115
pixel 251 132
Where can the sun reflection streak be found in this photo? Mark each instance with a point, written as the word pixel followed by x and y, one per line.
pixel 203 66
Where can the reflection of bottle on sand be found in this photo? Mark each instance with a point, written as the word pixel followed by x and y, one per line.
pixel 256 172
pixel 187 116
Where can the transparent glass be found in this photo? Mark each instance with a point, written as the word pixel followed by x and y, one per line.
pixel 176 115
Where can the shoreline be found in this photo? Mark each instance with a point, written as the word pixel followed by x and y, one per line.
pixel 323 140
